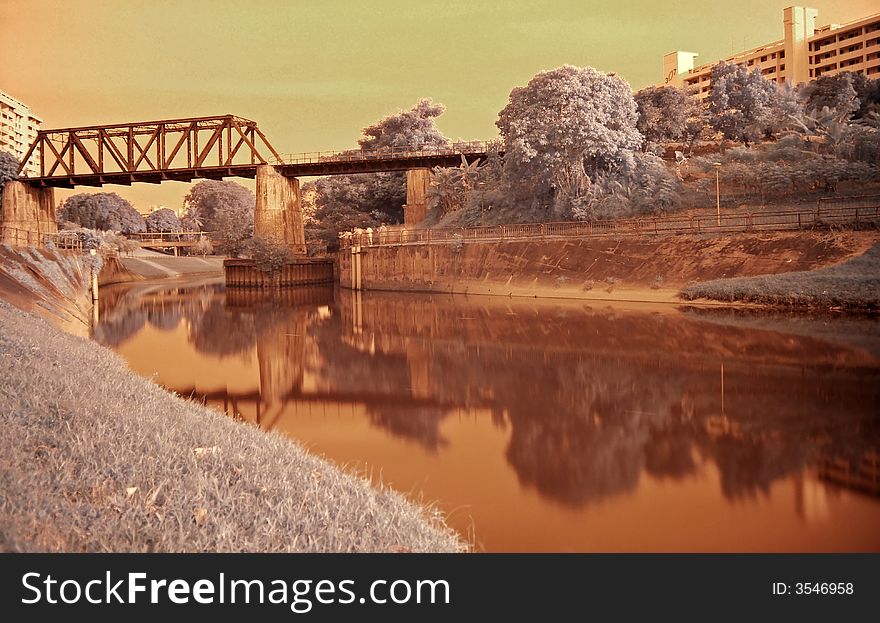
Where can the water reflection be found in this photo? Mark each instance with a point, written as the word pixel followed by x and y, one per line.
pixel 586 405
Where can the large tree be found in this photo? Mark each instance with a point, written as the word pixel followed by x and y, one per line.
pixel 415 127
pixel 837 93
pixel 162 220
pixel 369 199
pixel 663 113
pixel 104 211
pixel 740 102
pixel 224 209
pixel 565 125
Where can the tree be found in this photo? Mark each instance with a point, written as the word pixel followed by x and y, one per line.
pixel 565 125
pixel 343 202
pixel 415 127
pixel 223 209
pixel 663 113
pixel 104 211
pixel 162 220
pixel 740 102
pixel 837 93
pixel 785 110
pixel 8 169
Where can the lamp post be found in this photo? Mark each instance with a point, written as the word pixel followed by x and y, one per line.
pixel 717 166
pixel 482 209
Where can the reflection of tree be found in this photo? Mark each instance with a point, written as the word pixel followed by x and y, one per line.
pixel 118 328
pixel 220 331
pixel 420 424
pixel 165 318
pixel 602 397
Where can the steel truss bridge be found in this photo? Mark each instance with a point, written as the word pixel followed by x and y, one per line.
pixel 206 147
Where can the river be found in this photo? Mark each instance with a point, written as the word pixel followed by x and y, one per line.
pixel 540 425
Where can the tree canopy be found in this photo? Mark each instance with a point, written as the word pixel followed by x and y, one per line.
pixel 663 113
pixel 103 211
pixel 837 93
pixel 414 127
pixel 740 102
pixel 225 209
pixel 8 168
pixel 162 220
pixel 565 123
pixel 344 202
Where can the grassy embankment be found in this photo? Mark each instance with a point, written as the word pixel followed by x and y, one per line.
pixel 853 285
pixel 96 458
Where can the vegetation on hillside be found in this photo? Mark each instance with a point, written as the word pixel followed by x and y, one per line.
pixel 579 145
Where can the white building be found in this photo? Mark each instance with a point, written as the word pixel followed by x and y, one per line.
pixel 804 53
pixel 18 129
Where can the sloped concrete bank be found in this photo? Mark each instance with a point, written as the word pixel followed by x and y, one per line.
pixel 626 268
pixel 48 282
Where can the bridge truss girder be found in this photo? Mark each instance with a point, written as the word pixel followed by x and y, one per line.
pixel 152 151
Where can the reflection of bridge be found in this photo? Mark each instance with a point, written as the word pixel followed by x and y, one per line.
pixel 211 148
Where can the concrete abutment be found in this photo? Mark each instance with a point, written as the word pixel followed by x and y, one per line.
pixel 278 211
pixel 416 208
pixel 26 210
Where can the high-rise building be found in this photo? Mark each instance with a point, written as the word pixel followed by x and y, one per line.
pixel 18 130
pixel 804 53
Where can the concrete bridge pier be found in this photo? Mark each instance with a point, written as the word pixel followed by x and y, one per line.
pixel 26 210
pixel 278 212
pixel 416 208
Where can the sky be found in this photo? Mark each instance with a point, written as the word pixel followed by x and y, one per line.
pixel 313 73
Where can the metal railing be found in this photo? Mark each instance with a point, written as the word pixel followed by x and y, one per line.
pixel 168 237
pixel 25 237
pixel 390 153
pixel 752 221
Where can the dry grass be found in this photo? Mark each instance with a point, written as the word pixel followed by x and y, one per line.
pixel 95 458
pixel 853 285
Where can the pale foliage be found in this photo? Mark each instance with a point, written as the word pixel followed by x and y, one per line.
pixel 104 211
pixel 740 102
pixel 565 124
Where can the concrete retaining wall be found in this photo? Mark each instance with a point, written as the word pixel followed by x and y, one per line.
pixel 644 268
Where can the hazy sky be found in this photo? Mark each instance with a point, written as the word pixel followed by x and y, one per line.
pixel 313 73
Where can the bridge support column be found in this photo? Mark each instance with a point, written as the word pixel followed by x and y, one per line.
pixel 26 209
pixel 416 208
pixel 278 213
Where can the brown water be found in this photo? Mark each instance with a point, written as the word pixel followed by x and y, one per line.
pixel 546 426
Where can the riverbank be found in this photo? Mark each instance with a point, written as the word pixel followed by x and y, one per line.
pixel 96 458
pixel 628 269
pixel 145 264
pixel 852 286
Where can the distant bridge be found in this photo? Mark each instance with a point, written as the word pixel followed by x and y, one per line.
pixel 206 147
pixel 210 148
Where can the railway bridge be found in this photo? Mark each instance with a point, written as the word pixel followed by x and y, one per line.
pixel 207 148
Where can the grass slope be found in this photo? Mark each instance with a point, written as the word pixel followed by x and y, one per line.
pixel 95 458
pixel 853 285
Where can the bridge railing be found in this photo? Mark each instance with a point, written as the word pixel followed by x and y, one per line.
pixel 31 238
pixel 156 238
pixel 749 221
pixel 392 152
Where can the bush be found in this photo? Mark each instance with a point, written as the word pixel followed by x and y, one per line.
pixel 269 256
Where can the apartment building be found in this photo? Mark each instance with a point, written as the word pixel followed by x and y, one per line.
pixel 18 129
pixel 805 52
